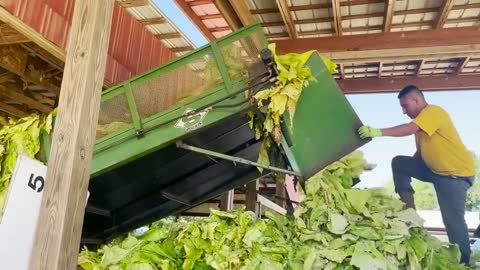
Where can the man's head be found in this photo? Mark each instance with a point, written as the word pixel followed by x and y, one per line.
pixel 412 101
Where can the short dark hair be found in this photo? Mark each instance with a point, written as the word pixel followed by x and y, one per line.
pixel 409 89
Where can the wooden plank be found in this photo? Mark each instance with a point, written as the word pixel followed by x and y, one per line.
pixel 404 54
pixel 461 65
pixel 342 71
pixel 133 3
pixel 13 58
pixel 8 35
pixel 280 194
pixel 151 21
pixel 31 34
pixel 419 67
pixel 11 110
pixel 337 17
pixel 251 196
pixel 387 18
pixel 395 84
pixel 241 10
pixel 168 36
pixel 196 3
pixel 264 10
pixel 64 199
pixel 181 49
pixel 220 29
pixel 226 201
pixel 8 76
pixel 228 13
pixel 410 39
pixel 10 91
pixel 287 18
pixel 187 10
pixel 211 17
pixel 443 13
pixel 329 5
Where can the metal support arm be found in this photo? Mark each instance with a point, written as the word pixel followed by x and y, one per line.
pixel 180 144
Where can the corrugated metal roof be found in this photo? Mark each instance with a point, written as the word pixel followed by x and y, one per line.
pixel 315 18
pixel 163 27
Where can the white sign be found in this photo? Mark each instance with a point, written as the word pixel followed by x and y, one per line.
pixel 21 212
pixel 191 122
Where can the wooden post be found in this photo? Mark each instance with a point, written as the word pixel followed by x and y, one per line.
pixel 64 199
pixel 251 197
pixel 226 200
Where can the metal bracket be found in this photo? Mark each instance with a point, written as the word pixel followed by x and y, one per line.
pixel 180 144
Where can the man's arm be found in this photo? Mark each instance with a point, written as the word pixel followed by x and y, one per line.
pixel 400 130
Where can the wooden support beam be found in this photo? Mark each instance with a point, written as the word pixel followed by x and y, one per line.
pixel 419 67
pixel 405 54
pixel 265 10
pixel 8 35
pixel 395 84
pixel 200 3
pixel 380 66
pixel 337 17
pixel 181 49
pixel 390 40
pixel 443 13
pixel 187 10
pixel 133 3
pixel 64 199
pixel 287 18
pixel 280 193
pixel 228 13
pixel 241 10
pixel 11 110
pixel 342 71
pixel 251 196
pixel 211 17
pixel 462 65
pixel 15 59
pixel 168 36
pixel 8 76
pixel 10 91
pixel 329 5
pixel 227 200
pixel 151 21
pixel 31 34
pixel 220 29
pixel 387 18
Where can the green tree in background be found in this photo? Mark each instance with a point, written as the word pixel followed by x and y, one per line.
pixel 426 199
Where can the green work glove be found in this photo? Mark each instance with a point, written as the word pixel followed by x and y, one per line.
pixel 369 132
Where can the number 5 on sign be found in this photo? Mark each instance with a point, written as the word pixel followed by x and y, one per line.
pixel 20 214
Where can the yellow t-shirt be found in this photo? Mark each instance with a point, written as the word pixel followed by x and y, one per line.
pixel 440 145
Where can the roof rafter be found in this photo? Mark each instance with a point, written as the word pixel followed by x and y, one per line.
pixel 133 3
pixel 394 84
pixel 186 8
pixel 390 40
pixel 242 11
pixel 443 13
pixel 12 110
pixel 419 68
pixel 287 18
pixel 462 65
pixel 227 11
pixel 387 18
pixel 337 17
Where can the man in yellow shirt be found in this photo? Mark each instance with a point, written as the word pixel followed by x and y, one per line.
pixel 441 159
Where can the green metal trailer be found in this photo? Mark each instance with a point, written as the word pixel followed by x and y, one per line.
pixel 166 139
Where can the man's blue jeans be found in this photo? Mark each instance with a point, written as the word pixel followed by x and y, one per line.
pixel 451 194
